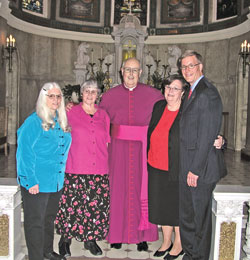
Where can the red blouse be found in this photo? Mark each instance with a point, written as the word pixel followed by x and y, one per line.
pixel 158 150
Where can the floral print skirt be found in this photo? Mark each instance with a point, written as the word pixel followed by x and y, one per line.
pixel 84 207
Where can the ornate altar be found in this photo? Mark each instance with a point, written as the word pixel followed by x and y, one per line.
pixel 129 37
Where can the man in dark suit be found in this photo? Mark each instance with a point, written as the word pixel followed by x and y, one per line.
pixel 201 164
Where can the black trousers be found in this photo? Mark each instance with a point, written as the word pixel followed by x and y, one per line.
pixel 196 220
pixel 39 215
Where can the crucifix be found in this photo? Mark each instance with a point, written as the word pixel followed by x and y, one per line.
pixel 130 49
pixel 130 7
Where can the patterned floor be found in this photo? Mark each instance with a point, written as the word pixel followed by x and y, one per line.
pixel 238 173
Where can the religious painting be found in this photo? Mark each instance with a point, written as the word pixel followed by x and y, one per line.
pixel 178 11
pixel 33 6
pixel 85 10
pixel 226 8
pixel 136 7
pixel 36 7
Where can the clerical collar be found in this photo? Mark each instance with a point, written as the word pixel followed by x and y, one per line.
pixel 130 89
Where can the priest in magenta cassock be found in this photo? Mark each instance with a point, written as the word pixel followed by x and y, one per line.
pixel 129 106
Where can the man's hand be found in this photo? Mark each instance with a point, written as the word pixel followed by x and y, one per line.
pixel 34 189
pixel 69 106
pixel 192 179
pixel 219 142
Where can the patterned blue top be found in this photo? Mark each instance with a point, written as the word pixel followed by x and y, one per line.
pixel 41 155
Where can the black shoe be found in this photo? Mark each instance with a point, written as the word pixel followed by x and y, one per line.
pixel 93 247
pixel 162 253
pixel 116 245
pixel 142 246
pixel 64 247
pixel 172 257
pixel 54 256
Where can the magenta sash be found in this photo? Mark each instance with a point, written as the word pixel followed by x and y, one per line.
pixel 137 133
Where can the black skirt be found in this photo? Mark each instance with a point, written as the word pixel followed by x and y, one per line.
pixel 163 198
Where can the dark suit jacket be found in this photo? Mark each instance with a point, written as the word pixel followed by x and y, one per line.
pixel 173 139
pixel 200 124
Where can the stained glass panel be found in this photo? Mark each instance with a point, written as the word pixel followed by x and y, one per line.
pixel 138 8
pixel 33 6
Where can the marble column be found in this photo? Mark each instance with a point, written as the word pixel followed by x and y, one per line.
pixel 246 247
pixel 10 220
pixel 228 202
pixel 12 99
pixel 245 153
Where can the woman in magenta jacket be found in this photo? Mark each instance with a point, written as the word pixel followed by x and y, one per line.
pixel 84 205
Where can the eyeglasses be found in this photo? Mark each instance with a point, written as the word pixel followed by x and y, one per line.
pixel 53 96
pixel 190 66
pixel 133 70
pixel 90 92
pixel 174 89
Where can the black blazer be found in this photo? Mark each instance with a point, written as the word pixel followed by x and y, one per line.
pixel 173 140
pixel 200 124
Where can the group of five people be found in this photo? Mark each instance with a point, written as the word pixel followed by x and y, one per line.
pixel 157 164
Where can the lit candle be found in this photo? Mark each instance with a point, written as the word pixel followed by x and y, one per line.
pixel 165 58
pixel 157 54
pixel 7 42
pixel 11 40
pixel 14 40
pixel 101 52
pixel 92 56
pixel 248 47
pixel 245 45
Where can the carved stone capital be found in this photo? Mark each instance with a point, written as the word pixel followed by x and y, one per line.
pixel 229 209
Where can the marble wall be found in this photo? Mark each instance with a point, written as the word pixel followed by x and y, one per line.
pixel 42 59
pixel 3 28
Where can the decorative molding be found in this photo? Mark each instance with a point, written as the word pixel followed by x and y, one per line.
pixel 229 209
pixel 10 195
pixel 228 202
pixel 10 220
pixel 4 235
pixel 227 241
pixel 202 37
pixel 6 202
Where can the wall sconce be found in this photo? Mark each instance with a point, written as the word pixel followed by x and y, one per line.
pixel 244 53
pixel 10 48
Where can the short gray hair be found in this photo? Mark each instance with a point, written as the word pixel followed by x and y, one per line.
pixel 90 84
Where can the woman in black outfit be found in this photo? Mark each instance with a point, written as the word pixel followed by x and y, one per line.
pixel 163 165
